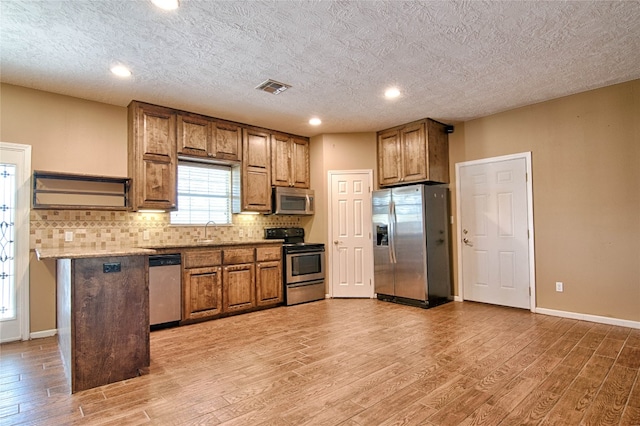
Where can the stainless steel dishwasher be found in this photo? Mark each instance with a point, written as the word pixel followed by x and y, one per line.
pixel 165 289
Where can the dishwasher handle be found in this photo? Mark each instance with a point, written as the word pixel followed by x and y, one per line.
pixel 165 260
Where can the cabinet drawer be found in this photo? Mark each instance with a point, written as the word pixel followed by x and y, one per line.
pixel 201 258
pixel 264 254
pixel 238 255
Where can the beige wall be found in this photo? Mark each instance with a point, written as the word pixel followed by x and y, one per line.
pixel 66 135
pixel 586 193
pixel 339 151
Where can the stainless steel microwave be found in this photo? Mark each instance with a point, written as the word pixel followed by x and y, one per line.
pixel 293 201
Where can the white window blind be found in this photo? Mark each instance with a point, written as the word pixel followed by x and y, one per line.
pixel 204 194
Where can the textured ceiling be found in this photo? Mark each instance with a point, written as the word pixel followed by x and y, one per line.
pixel 453 61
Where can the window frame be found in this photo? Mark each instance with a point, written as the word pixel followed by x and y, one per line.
pixel 174 219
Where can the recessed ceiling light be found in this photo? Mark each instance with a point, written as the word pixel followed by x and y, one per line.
pixel 166 4
pixel 121 71
pixel 315 121
pixel 392 93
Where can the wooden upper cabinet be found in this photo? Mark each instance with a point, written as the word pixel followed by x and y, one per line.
pixel 300 162
pixel 412 141
pixel 194 135
pixel 389 156
pixel 228 140
pixel 289 161
pixel 255 178
pixel 414 152
pixel 152 156
pixel 201 136
pixel 438 151
pixel 280 160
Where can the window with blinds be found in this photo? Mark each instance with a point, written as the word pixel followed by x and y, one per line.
pixel 204 194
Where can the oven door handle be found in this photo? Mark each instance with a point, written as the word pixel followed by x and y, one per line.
pixel 305 283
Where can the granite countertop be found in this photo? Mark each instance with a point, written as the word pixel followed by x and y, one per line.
pixel 77 253
pixel 209 243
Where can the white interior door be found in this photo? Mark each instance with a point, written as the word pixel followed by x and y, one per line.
pixel 350 247
pixel 15 173
pixel 494 232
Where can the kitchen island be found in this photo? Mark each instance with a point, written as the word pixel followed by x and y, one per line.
pixel 103 299
pixel 102 314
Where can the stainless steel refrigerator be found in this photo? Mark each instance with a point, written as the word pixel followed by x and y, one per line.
pixel 411 245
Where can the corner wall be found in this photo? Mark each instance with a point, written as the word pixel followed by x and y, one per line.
pixel 586 193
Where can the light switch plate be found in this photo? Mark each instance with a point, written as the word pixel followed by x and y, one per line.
pixel 68 236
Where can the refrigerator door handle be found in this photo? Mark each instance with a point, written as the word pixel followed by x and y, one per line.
pixel 392 232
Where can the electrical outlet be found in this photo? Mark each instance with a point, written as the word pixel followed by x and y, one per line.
pixel 145 235
pixel 241 232
pixel 68 236
pixel 559 286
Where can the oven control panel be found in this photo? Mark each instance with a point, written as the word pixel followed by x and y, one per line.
pixel 283 233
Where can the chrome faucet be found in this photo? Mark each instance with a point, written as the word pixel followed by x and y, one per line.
pixel 205 228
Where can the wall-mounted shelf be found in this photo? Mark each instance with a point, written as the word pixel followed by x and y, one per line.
pixel 68 191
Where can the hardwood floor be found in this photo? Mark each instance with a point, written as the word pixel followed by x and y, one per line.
pixel 350 362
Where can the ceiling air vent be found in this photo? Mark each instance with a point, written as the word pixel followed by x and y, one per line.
pixel 273 87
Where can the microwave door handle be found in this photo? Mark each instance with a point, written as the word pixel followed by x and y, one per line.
pixel 307 202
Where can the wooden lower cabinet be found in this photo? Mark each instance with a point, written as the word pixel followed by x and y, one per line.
pixel 202 292
pixel 268 283
pixel 239 289
pixel 230 280
pixel 269 287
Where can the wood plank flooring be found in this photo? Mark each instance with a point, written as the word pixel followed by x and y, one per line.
pixel 353 363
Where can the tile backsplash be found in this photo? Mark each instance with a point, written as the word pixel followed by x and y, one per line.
pixel 112 229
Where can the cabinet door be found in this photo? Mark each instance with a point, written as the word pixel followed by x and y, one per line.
pixel 227 138
pixel 280 160
pixel 239 291
pixel 413 153
pixel 269 285
pixel 300 162
pixel 152 156
pixel 438 152
pixel 256 171
pixel 389 160
pixel 194 135
pixel 202 292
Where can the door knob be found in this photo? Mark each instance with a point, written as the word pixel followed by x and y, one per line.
pixel 336 242
pixel 467 242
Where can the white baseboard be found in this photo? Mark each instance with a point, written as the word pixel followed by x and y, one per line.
pixel 587 317
pixel 43 333
pixel 457 299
